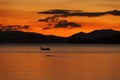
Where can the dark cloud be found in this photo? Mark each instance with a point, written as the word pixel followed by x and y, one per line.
pixel 62 24
pixel 46 28
pixel 114 12
pixel 49 19
pixel 65 24
pixel 26 27
pixel 67 13
pixel 59 11
pixel 13 27
pixel 45 20
pixel 84 14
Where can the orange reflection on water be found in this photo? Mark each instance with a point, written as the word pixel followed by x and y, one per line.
pixel 29 66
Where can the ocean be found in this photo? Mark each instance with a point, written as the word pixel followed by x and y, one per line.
pixel 62 62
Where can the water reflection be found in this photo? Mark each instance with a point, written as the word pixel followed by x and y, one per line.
pixel 71 66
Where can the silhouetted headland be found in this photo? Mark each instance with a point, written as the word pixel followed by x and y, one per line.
pixel 104 36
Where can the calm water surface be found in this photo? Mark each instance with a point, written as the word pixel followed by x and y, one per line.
pixel 67 62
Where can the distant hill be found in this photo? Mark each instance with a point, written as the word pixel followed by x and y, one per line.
pixel 97 36
pixel 27 37
pixel 107 36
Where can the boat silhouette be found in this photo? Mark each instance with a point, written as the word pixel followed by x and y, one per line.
pixel 43 48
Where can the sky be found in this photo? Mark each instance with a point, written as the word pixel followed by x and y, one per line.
pixel 25 12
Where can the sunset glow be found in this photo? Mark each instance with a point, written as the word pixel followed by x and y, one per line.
pixel 25 12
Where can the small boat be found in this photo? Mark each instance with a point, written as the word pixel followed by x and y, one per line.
pixel 44 48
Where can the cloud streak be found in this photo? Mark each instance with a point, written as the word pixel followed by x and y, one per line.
pixel 13 27
pixel 59 11
pixel 50 19
pixel 56 14
pixel 67 13
pixel 65 24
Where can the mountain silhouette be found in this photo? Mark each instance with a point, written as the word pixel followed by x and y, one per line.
pixel 104 36
pixel 97 36
pixel 27 37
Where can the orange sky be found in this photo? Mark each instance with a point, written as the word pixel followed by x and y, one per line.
pixel 24 12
